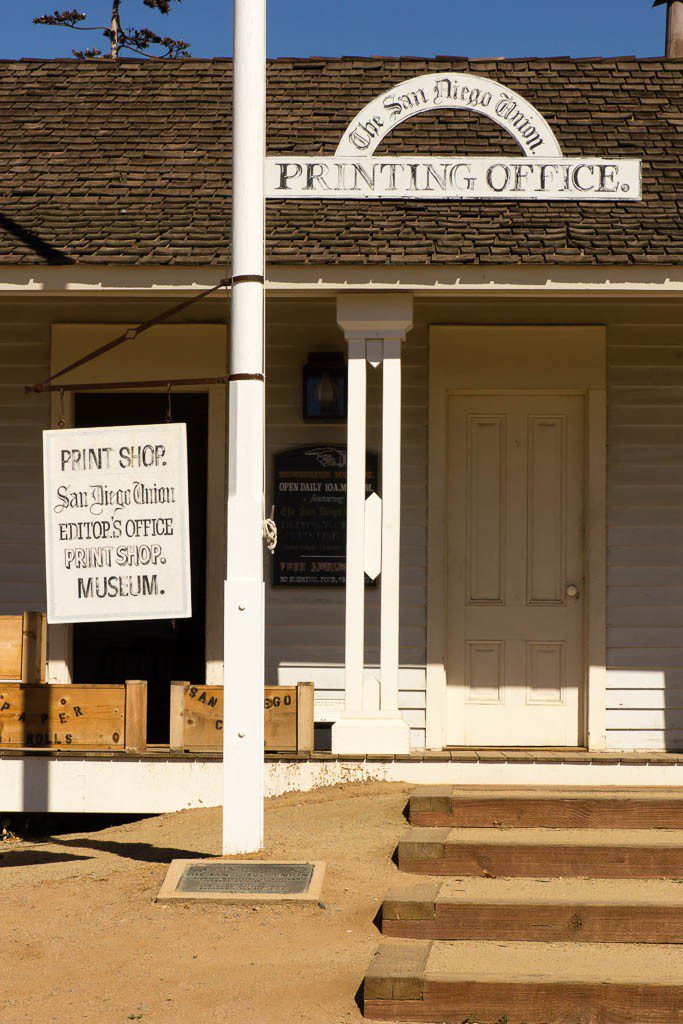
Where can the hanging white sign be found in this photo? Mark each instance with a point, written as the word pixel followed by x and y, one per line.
pixel 117 523
pixel 355 172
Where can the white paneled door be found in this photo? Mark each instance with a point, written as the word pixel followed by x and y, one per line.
pixel 515 658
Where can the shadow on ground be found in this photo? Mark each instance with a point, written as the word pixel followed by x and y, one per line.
pixel 145 852
pixel 44 826
pixel 28 858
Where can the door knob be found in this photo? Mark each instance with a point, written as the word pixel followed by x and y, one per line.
pixel 572 590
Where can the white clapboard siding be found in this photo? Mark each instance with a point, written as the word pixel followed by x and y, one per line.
pixel 645 538
pixel 652 575
pixel 24 359
pixel 648 681
pixel 648 719
pixel 645 739
pixel 664 699
pixel 655 616
pixel 305 627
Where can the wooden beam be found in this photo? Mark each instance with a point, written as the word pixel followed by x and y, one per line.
pixel 177 720
pixel 10 647
pixel 542 853
pixel 520 981
pixel 136 714
pixel 31 648
pixel 305 718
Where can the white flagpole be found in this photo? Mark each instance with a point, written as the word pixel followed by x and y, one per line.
pixel 244 587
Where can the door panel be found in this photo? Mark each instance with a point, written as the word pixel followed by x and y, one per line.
pixel 515 662
pixel 486 512
pixel 546 527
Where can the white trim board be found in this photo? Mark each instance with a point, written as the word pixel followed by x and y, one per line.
pixel 79 785
pixel 295 278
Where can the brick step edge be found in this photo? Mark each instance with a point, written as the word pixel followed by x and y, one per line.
pixel 396 988
pixel 432 854
pixel 417 912
pixel 445 806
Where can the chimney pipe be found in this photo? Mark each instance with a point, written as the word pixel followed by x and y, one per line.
pixel 674 26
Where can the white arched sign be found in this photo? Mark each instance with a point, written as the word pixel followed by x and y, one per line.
pixel 450 92
pixel 542 172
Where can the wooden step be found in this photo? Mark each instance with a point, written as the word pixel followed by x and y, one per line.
pixel 546 807
pixel 525 983
pixel 533 910
pixel 542 853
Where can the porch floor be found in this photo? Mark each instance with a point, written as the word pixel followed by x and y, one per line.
pixel 489 755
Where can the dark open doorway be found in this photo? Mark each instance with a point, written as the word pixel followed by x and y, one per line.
pixel 157 650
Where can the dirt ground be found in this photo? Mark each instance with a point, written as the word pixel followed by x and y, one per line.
pixel 83 941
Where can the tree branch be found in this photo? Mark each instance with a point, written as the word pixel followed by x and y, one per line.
pixel 136 40
pixel 78 28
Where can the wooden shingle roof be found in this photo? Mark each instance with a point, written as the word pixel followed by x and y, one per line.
pixel 128 162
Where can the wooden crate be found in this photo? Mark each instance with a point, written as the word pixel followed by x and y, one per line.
pixel 197 717
pixel 22 647
pixel 74 717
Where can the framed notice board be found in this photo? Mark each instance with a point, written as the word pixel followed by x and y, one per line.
pixel 309 494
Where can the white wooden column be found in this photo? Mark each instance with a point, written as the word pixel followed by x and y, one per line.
pixel 374 327
pixel 391 523
pixel 355 526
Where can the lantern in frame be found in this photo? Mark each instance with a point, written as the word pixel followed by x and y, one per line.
pixel 324 388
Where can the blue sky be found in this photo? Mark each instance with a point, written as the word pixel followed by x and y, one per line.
pixel 493 28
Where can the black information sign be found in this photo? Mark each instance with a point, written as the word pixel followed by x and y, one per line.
pixel 260 879
pixel 310 511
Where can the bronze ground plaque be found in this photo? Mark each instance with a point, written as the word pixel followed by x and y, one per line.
pixel 263 879
pixel 252 881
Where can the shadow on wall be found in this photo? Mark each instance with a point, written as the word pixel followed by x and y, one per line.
pixel 36 783
pixel 36 768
